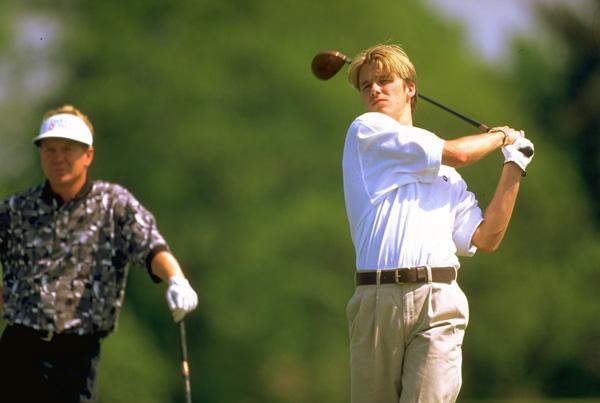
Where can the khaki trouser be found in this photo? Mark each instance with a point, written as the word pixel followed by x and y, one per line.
pixel 405 342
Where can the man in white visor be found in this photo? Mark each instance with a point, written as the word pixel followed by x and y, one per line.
pixel 65 249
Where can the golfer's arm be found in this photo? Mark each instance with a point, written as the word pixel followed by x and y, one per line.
pixel 470 149
pixel 164 265
pixel 489 234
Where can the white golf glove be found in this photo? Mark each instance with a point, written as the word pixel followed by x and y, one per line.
pixel 181 297
pixel 512 154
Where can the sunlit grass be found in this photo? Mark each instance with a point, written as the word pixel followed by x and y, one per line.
pixel 533 400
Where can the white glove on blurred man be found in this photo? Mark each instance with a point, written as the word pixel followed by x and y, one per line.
pixel 512 154
pixel 181 297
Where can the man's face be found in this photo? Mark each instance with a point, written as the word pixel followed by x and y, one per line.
pixel 386 93
pixel 65 162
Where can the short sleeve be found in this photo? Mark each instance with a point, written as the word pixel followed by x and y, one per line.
pixel 468 217
pixel 4 224
pixel 139 235
pixel 392 155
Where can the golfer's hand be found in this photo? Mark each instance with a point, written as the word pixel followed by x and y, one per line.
pixel 181 297
pixel 510 135
pixel 512 154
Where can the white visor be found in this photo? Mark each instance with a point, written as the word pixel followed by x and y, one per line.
pixel 65 126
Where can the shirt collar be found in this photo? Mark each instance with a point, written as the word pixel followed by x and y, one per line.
pixel 49 197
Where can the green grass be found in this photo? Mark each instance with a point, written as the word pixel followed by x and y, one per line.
pixel 532 400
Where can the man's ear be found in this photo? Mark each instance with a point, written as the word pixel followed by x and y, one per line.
pixel 90 155
pixel 411 89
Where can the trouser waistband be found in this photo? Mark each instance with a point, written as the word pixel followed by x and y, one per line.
pixel 49 336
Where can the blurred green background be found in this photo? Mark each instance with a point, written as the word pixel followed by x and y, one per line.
pixel 208 113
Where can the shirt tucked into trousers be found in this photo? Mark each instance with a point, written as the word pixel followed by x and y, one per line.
pixel 405 209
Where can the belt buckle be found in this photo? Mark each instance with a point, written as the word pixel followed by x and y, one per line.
pixel 48 337
pixel 424 274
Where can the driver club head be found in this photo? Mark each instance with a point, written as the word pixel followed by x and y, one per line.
pixel 327 64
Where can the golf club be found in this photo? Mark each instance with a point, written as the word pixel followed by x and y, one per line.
pixel 327 64
pixel 185 368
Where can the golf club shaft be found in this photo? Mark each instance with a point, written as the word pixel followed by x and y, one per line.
pixel 467 119
pixel 339 60
pixel 527 151
pixel 185 368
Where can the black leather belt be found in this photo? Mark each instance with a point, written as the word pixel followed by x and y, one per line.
pixel 421 274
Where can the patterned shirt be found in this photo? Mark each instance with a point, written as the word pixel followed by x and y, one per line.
pixel 66 263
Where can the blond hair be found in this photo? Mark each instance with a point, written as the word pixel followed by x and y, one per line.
pixel 71 110
pixel 389 59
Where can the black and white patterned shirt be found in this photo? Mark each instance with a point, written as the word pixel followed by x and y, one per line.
pixel 65 264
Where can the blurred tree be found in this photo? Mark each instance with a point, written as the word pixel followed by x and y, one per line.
pixel 549 334
pixel 563 88
pixel 207 111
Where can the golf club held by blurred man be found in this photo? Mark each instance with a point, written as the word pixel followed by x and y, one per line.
pixel 65 248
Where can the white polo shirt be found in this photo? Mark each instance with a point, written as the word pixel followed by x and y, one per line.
pixel 404 207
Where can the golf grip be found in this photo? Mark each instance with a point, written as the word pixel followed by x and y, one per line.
pixel 327 64
pixel 185 368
